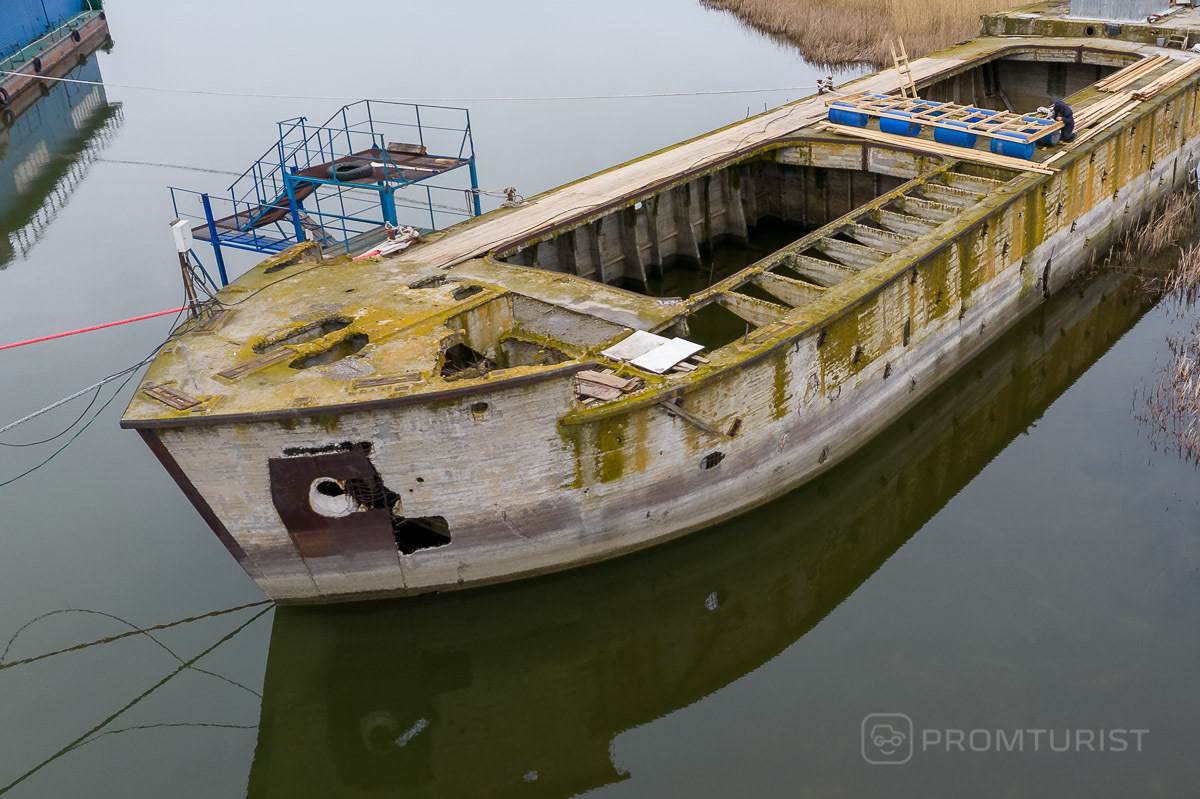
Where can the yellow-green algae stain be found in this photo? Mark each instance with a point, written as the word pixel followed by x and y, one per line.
pixel 609 452
pixel 781 397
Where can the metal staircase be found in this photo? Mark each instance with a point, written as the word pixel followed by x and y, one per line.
pixel 341 183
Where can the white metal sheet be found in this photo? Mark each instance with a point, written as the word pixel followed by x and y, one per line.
pixel 662 358
pixel 634 346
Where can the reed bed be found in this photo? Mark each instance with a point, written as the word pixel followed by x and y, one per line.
pixel 842 33
pixel 1169 410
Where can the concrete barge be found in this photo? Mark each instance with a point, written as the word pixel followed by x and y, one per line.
pixel 514 395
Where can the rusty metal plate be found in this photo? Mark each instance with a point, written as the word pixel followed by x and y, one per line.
pixel 170 396
pixel 210 319
pixel 261 362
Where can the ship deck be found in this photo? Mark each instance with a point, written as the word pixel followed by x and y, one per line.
pixel 288 310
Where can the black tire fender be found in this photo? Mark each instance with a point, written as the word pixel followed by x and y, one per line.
pixel 3 96
pixel 351 170
pixel 75 37
pixel 37 64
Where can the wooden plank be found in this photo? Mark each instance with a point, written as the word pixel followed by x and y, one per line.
pixel 1168 80
pixel 604 393
pixel 947 150
pixel 609 380
pixel 1131 74
pixel 382 381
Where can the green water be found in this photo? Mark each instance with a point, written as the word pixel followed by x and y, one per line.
pixel 1013 555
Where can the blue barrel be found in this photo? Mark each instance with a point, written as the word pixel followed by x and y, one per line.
pixel 899 127
pixel 1050 139
pixel 980 114
pixel 959 138
pixel 842 114
pixel 1013 149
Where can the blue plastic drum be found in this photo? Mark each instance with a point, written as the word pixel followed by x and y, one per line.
pixel 1050 139
pixel 899 126
pixel 958 138
pixel 1013 149
pixel 841 114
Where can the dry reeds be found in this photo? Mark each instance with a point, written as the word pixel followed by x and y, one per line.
pixel 1169 223
pixel 841 33
pixel 1170 409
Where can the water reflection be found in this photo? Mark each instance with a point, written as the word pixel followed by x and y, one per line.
pixel 522 688
pixel 45 154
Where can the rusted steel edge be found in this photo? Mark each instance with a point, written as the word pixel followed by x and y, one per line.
pixel 476 389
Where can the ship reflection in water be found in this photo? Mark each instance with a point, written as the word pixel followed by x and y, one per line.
pixel 521 689
pixel 46 151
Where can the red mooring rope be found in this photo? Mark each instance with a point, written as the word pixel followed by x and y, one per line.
pixel 90 329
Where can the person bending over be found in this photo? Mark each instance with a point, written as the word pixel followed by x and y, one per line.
pixel 1062 112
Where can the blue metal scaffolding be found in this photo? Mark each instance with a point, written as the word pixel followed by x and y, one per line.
pixel 343 182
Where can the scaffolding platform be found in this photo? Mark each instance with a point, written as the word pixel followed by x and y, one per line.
pixel 337 182
pixel 958 119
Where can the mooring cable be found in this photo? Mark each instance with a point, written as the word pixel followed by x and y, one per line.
pixel 110 639
pixel 128 373
pixel 89 330
pixel 91 733
pixel 342 98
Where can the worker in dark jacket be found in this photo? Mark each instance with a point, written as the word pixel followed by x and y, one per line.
pixel 1062 112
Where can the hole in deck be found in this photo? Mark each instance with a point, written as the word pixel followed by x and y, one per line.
pixel 465 291
pixel 343 349
pixel 302 335
pixel 464 363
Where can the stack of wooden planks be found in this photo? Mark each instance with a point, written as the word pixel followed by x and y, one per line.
pixel 1134 72
pixel 592 386
pixel 1121 113
pixel 1167 81
pixel 945 150
pixel 1086 117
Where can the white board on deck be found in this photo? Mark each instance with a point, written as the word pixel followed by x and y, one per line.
pixel 662 358
pixel 634 346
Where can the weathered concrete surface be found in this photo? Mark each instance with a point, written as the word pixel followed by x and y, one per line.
pixel 526 478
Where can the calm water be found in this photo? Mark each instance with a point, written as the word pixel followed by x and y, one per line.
pixel 1011 556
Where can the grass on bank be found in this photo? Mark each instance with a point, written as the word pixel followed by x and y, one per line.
pixel 839 33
